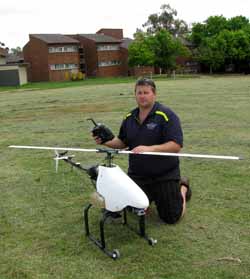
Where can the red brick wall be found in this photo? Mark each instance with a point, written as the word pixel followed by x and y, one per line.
pixel 26 57
pixel 109 55
pixel 115 70
pixel 61 58
pixel 109 71
pixel 93 56
pixel 115 33
pixel 36 54
pixel 90 52
pixel 59 75
pixel 3 52
pixel 142 71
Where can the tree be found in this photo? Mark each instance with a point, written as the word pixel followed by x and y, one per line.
pixel 166 20
pixel 160 50
pixel 16 50
pixel 211 27
pixel 211 53
pixel 219 41
pixel 237 47
pixel 237 23
pixel 140 51
pixel 214 25
pixel 166 49
pixel 198 33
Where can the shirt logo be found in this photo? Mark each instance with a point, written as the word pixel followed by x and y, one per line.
pixel 151 126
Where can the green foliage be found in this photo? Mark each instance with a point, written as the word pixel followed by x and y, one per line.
pixel 166 20
pixel 140 51
pixel 160 49
pixel 80 76
pixel 166 48
pixel 211 52
pixel 73 76
pixel 236 44
pixel 237 23
pixel 214 25
pixel 16 50
pixel 198 33
pixel 220 41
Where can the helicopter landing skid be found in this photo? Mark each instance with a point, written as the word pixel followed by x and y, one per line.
pixel 101 243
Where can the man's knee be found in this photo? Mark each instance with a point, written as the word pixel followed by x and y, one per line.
pixel 169 218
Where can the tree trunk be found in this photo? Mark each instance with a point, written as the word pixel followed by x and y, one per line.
pixel 211 70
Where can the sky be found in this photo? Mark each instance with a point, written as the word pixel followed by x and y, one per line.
pixel 18 18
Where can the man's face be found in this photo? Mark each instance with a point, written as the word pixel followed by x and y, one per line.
pixel 145 96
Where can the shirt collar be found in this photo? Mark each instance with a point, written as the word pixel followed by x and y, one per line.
pixel 155 107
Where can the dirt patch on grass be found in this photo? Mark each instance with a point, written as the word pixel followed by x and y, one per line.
pixel 58 110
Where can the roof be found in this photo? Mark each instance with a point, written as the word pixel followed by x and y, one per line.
pixel 100 38
pixel 113 32
pixel 55 38
pixel 14 58
pixel 126 42
pixel 109 29
pixel 15 64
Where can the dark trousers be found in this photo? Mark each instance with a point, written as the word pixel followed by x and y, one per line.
pixel 167 197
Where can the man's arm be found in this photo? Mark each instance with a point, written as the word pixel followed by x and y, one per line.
pixel 114 143
pixel 169 146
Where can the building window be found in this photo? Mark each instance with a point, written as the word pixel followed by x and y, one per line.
pixel 71 66
pixel 63 49
pixel 107 47
pixel 109 63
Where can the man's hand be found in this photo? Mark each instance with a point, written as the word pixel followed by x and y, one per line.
pixel 169 146
pixel 142 148
pixel 114 143
pixel 103 133
pixel 97 139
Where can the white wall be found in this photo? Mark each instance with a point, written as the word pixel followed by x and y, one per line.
pixel 2 60
pixel 23 75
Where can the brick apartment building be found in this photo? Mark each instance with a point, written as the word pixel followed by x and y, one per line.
pixel 125 42
pixel 54 57
pixel 51 56
pixel 102 54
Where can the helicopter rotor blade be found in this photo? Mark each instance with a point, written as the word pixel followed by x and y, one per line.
pixel 206 156
pixel 54 148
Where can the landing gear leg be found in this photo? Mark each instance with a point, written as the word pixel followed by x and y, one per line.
pixel 100 243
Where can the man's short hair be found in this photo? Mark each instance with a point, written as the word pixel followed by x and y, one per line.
pixel 146 82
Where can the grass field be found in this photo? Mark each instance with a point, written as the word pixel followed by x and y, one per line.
pixel 41 226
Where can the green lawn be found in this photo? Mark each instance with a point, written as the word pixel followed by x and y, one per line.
pixel 41 226
pixel 32 86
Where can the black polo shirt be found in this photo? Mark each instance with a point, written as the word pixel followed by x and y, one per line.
pixel 160 126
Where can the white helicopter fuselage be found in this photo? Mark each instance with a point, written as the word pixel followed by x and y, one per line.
pixel 119 190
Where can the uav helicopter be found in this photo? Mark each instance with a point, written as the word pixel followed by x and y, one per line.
pixel 115 192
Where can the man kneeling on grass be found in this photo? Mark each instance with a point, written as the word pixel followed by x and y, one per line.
pixel 153 127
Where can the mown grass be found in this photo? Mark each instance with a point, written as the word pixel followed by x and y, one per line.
pixel 88 81
pixel 41 226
